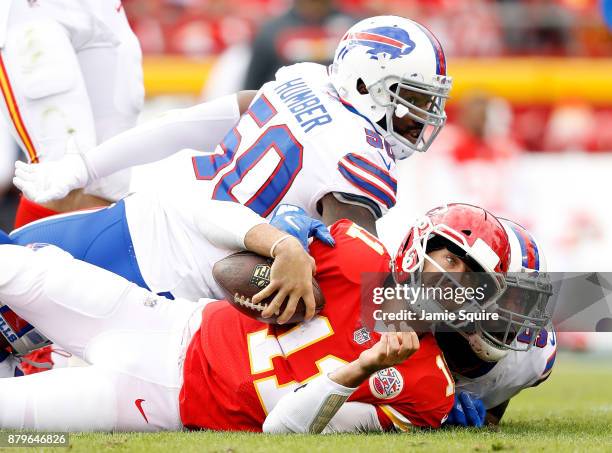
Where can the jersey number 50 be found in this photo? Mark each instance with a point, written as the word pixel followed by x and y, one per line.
pixel 260 176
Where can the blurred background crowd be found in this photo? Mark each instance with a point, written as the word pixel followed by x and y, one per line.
pixel 252 38
pixel 467 27
pixel 530 115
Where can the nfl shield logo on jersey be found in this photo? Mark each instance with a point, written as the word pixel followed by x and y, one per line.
pixel 386 383
pixel 361 336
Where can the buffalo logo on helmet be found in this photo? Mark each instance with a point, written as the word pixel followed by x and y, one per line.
pixel 393 41
pixel 387 383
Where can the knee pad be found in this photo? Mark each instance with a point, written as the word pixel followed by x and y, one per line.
pixel 45 59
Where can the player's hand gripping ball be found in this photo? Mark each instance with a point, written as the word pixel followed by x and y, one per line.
pixel 244 274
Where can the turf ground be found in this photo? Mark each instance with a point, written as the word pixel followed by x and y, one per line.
pixel 572 411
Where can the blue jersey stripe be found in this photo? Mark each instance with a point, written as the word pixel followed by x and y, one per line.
pixel 366 186
pixel 374 170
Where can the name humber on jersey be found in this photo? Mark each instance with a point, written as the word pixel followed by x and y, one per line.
pixel 303 103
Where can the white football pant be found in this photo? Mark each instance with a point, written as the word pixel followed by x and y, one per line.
pixel 134 340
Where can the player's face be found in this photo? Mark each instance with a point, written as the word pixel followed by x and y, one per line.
pixel 406 126
pixel 447 261
pixel 456 272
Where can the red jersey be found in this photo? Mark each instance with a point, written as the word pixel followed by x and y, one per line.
pixel 237 369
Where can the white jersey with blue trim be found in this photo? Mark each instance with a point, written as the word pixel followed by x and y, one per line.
pixel 297 142
pixel 515 372
pixel 172 253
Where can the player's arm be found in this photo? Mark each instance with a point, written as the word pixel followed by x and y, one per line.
pixel 234 226
pixel 200 127
pixel 362 186
pixel 537 364
pixel 495 414
pixel 333 208
pixel 311 408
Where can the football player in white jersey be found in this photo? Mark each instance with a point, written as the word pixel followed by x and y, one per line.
pixel 324 139
pixel 71 77
pixel 324 142
pixel 494 363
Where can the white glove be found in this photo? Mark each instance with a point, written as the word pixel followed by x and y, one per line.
pixel 52 180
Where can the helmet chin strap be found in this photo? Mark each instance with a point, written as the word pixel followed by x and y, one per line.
pixel 403 152
pixel 399 150
pixel 485 350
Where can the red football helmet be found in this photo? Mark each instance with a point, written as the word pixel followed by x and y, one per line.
pixel 474 230
pixel 470 232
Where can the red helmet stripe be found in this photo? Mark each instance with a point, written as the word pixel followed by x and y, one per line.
pixel 440 58
pixel 377 38
pixel 528 248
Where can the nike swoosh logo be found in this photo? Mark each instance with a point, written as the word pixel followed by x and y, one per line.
pixel 384 161
pixel 291 222
pixel 138 404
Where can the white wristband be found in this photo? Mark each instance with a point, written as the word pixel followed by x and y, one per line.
pixel 278 241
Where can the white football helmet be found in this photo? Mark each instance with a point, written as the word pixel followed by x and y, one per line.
pixel 523 308
pixel 403 72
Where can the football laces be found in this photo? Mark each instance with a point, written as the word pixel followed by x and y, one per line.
pixel 246 302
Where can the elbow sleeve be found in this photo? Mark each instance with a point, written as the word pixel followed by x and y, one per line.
pixel 200 127
pixel 225 223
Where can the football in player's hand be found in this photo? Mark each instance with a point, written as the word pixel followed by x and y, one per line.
pixel 244 274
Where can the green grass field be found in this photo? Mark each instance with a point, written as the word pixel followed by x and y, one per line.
pixel 572 411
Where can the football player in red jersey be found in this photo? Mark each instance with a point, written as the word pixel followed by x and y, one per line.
pixel 158 365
